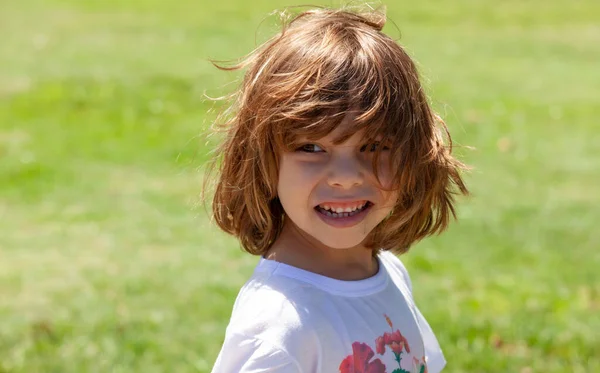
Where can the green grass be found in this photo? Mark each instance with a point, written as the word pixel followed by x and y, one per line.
pixel 107 264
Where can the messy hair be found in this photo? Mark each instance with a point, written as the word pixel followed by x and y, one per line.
pixel 301 83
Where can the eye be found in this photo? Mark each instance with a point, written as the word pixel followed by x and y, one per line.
pixel 310 148
pixel 373 147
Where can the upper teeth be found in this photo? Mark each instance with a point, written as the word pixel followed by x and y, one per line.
pixel 340 209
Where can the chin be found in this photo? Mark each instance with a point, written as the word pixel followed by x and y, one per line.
pixel 341 244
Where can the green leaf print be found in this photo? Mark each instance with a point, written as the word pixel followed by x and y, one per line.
pixel 400 370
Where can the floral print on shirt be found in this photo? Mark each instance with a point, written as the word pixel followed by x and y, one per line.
pixel 362 354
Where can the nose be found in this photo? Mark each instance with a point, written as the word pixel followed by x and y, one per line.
pixel 345 172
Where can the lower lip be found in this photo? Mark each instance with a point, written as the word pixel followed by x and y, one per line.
pixel 347 221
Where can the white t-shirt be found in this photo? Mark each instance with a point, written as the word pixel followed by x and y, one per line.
pixel 288 320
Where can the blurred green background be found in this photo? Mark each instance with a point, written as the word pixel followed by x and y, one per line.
pixel 108 264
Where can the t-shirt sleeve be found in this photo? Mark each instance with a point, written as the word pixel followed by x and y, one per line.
pixel 434 355
pixel 243 354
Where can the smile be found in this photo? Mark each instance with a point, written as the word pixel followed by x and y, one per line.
pixel 343 219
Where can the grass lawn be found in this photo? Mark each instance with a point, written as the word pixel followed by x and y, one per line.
pixel 109 264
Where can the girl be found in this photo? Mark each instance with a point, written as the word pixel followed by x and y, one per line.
pixel 332 163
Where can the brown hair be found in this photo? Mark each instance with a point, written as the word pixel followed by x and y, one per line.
pixel 302 82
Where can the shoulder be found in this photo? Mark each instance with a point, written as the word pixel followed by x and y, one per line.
pixel 270 324
pixel 435 357
pixel 395 266
pixel 268 304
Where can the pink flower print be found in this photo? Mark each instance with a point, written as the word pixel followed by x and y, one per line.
pixel 359 361
pixel 380 345
pixel 395 341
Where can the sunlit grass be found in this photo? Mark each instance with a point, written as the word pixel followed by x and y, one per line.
pixel 109 263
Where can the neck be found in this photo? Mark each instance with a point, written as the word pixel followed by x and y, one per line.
pixel 296 248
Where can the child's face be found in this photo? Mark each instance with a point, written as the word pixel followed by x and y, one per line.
pixel 319 173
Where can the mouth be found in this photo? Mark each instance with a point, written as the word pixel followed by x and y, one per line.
pixel 343 219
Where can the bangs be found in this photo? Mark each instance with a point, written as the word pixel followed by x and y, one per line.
pixel 372 79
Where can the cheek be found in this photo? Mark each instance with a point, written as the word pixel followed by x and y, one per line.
pixel 298 170
pixel 387 183
pixel 385 174
pixel 296 180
